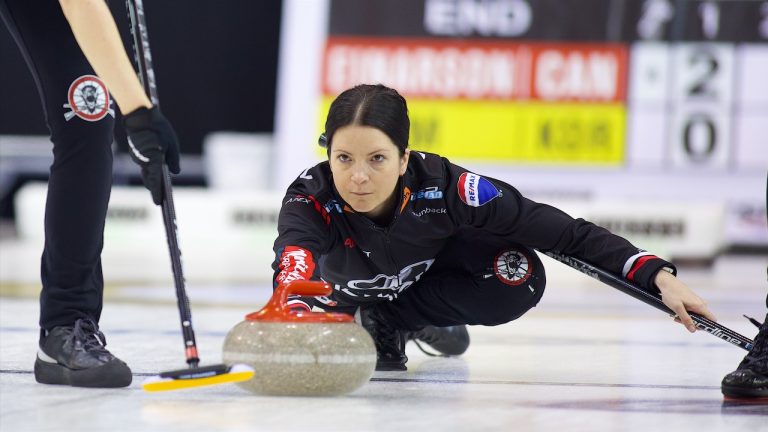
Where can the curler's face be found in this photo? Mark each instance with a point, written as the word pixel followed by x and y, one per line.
pixel 366 165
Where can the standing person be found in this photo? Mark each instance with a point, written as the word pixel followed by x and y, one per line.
pixel 421 247
pixel 750 379
pixel 75 54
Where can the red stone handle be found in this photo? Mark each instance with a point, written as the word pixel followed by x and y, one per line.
pixel 276 311
pixel 304 288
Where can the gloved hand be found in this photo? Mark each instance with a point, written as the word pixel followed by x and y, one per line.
pixel 152 142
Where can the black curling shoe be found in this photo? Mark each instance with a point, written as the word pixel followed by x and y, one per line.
pixel 750 379
pixel 390 342
pixel 76 356
pixel 448 341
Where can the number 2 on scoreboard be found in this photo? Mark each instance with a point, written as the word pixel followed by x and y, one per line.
pixel 702 99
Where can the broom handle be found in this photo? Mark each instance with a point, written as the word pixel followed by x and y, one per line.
pixel 143 58
pixel 652 299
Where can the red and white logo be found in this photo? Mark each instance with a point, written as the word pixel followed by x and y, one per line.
pixel 512 267
pixel 88 99
pixel 295 264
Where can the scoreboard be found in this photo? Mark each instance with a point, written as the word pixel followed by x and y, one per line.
pixel 661 85
pixel 650 114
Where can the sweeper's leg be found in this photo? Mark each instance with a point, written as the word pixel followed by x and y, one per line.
pixel 750 379
pixel 81 118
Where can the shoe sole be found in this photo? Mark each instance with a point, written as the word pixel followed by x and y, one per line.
pixel 456 345
pixel 743 393
pixel 110 375
pixel 386 367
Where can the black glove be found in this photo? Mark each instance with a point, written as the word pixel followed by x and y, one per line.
pixel 152 143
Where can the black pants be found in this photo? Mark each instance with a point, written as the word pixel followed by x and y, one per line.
pixel 81 174
pixel 477 279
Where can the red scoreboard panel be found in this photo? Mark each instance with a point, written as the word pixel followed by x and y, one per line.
pixel 522 102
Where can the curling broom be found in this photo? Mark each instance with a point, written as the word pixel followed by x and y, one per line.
pixel 652 298
pixel 194 376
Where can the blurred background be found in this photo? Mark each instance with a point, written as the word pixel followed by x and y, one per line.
pixel 648 117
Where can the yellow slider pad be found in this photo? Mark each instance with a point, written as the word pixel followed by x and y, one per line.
pixel 234 373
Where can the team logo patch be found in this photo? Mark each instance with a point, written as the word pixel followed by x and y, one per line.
pixel 88 99
pixel 512 267
pixel 475 190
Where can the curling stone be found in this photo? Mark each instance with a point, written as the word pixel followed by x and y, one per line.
pixel 301 353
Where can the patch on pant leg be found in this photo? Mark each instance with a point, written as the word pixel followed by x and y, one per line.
pixel 512 267
pixel 88 99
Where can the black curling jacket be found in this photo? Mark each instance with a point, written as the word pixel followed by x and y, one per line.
pixel 320 237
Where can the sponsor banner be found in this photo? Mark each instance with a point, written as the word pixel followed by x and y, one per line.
pixel 584 20
pixel 745 223
pixel 223 236
pixel 667 229
pixel 229 236
pixel 439 69
pixel 534 132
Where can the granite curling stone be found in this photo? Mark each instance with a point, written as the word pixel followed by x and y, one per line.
pixel 301 353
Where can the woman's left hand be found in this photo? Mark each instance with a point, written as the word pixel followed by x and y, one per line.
pixel 681 299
